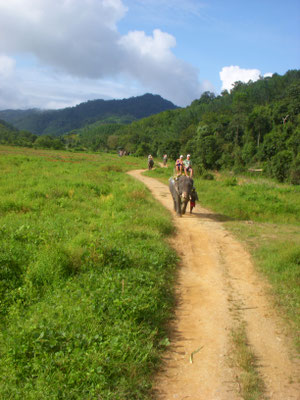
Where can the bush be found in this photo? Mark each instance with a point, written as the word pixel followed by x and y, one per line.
pixel 295 171
pixel 280 165
pixel 238 169
pixel 208 176
pixel 232 181
pixel 198 168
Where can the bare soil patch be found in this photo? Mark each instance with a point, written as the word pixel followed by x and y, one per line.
pixel 219 288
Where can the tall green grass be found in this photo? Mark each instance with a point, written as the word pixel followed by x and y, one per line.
pixel 265 215
pixel 85 277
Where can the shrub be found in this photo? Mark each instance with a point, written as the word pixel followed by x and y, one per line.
pixel 232 181
pixel 199 168
pixel 295 171
pixel 208 176
pixel 238 169
pixel 280 165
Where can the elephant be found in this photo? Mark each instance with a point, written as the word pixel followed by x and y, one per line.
pixel 150 163
pixel 181 187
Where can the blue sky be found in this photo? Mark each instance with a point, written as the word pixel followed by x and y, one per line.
pixel 263 34
pixel 58 53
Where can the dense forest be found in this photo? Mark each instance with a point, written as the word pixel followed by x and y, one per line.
pixel 57 122
pixel 255 125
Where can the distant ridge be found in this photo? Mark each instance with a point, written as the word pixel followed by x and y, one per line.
pixel 57 122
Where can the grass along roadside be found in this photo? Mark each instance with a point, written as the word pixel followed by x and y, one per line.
pixel 86 277
pixel 265 216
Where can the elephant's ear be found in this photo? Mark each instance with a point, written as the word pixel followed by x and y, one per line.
pixel 176 187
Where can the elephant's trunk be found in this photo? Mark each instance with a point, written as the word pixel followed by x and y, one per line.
pixel 185 202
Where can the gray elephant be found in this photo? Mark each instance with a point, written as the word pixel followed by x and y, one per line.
pixel 181 189
pixel 150 163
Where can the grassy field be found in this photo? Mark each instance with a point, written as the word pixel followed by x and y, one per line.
pixel 85 277
pixel 265 215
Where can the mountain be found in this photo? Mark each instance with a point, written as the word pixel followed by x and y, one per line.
pixel 57 122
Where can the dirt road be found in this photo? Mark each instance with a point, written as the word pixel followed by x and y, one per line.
pixel 217 289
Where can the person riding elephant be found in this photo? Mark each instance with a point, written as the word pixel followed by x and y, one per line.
pixel 150 162
pixel 179 165
pixel 187 164
pixel 181 188
pixel 165 159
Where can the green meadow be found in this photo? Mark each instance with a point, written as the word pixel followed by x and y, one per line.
pixel 86 277
pixel 265 216
pixel 86 274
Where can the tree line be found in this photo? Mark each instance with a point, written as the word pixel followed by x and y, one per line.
pixel 254 125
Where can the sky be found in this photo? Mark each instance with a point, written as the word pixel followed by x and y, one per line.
pixel 59 53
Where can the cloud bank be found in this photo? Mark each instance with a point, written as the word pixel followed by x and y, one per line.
pixel 232 74
pixel 78 42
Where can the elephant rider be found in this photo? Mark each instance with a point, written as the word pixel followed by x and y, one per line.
pixel 179 165
pixel 150 161
pixel 188 166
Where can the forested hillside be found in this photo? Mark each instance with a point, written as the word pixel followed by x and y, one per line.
pixel 256 125
pixel 57 122
pixel 252 122
pixel 13 136
pixel 10 135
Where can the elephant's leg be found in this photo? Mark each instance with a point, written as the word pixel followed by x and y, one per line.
pixel 178 201
pixel 174 202
pixel 184 206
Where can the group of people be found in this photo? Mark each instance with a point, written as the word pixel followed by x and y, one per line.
pixel 181 165
pixel 185 166
pixel 122 153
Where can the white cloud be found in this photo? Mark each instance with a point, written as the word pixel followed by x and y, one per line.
pixel 7 66
pixel 154 65
pixel 232 74
pixel 268 74
pixel 8 92
pixel 38 88
pixel 79 40
pixel 157 46
pixel 75 36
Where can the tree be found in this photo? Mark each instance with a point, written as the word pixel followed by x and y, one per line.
pixel 295 171
pixel 280 165
pixel 44 141
pixel 172 148
pixel 259 123
pixel 274 141
pixel 112 142
pixel 143 149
